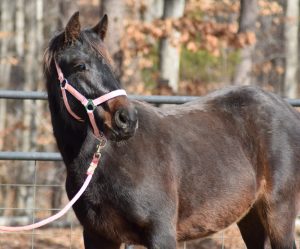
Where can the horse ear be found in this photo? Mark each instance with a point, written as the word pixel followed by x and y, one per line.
pixel 101 27
pixel 72 30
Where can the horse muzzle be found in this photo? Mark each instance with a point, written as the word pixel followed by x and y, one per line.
pixel 125 123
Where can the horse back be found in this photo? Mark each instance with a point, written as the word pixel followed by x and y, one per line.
pixel 268 129
pixel 234 147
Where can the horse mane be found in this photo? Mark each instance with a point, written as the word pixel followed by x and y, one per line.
pixel 57 43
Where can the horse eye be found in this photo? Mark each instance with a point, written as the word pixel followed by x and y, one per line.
pixel 80 67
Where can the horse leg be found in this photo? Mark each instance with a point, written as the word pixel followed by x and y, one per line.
pixel 162 237
pixel 98 242
pixel 279 217
pixel 252 230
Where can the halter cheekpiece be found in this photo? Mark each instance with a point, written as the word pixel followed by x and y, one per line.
pixel 89 104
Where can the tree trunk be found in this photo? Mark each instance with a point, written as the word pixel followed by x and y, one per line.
pixel 169 56
pixel 40 106
pixel 291 49
pixel 66 8
pixel 247 20
pixel 25 195
pixel 5 66
pixel 20 27
pixel 115 9
pixel 154 10
pixel 6 25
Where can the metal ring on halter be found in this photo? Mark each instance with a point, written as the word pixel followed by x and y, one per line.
pixel 90 107
pixel 63 83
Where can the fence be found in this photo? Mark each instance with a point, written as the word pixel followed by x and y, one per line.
pixel 66 233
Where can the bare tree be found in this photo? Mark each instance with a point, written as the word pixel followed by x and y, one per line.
pixel 6 26
pixel 115 9
pixel 5 52
pixel 66 8
pixel 154 10
pixel 247 21
pixel 20 19
pixel 169 55
pixel 26 173
pixel 291 49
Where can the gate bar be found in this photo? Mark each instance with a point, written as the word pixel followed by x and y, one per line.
pixel 154 99
pixel 30 156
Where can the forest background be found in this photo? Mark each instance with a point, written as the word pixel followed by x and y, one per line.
pixel 167 47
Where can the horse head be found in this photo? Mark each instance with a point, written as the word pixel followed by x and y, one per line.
pixel 86 65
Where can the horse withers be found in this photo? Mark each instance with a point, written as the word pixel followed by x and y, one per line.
pixel 177 173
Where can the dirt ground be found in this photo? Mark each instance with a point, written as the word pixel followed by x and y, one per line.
pixel 71 239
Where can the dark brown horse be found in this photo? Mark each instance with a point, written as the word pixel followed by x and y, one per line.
pixel 183 172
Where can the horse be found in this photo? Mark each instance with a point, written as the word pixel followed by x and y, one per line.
pixel 175 173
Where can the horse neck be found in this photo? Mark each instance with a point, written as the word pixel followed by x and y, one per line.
pixel 70 136
pixel 76 142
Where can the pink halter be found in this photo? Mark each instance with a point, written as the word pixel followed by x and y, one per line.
pixel 89 104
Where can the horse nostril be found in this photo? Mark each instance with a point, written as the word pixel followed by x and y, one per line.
pixel 121 118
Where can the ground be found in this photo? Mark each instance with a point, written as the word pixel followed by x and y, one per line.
pixel 58 238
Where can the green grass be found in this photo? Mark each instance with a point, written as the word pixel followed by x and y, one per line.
pixel 150 75
pixel 196 67
pixel 202 66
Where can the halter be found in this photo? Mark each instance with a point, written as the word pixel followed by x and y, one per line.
pixel 89 104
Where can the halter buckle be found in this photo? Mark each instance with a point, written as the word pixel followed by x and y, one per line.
pixel 90 107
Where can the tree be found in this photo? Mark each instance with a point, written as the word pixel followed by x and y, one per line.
pixel 291 49
pixel 6 26
pixel 153 10
pixel 66 8
pixel 115 10
pixel 7 9
pixel 169 55
pixel 247 21
pixel 32 33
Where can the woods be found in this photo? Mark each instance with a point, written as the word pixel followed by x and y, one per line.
pixel 184 47
pixel 169 54
pixel 247 23
pixel 291 49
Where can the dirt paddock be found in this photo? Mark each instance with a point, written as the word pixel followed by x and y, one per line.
pixel 71 239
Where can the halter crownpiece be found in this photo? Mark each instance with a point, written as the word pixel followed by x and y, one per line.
pixel 89 104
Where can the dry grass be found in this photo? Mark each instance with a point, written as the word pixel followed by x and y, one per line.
pixel 65 239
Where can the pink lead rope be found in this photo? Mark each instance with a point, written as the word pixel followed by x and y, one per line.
pixel 51 218
pixel 90 172
pixel 90 106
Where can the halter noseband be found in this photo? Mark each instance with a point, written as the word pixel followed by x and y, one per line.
pixel 89 104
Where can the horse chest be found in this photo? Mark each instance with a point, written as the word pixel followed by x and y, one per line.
pixel 103 211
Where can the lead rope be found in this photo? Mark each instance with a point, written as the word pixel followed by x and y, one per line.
pixel 90 171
